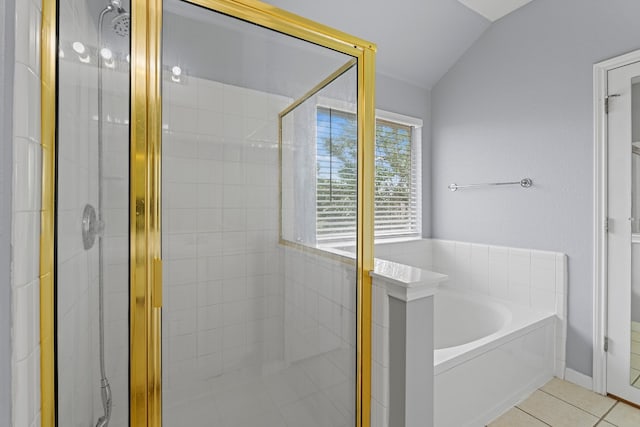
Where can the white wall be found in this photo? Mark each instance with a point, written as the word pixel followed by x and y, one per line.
pixel 404 98
pixel 26 217
pixel 519 103
pixel 7 59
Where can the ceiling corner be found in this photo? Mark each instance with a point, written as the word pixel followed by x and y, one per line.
pixel 494 9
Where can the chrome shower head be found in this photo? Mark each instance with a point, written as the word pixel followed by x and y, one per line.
pixel 116 5
pixel 121 23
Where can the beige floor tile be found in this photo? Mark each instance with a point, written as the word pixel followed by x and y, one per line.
pixel 633 377
pixel 516 418
pixel 635 336
pixel 624 416
pixel 556 412
pixel 605 424
pixel 635 326
pixel 635 347
pixel 587 400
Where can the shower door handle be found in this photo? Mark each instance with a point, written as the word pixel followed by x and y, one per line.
pixel 156 296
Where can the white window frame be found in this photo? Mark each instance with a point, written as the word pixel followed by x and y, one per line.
pixel 416 125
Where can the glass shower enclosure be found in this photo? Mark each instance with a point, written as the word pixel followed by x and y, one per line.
pixel 190 285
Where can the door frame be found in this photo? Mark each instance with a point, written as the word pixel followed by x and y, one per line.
pixel 145 193
pixel 600 197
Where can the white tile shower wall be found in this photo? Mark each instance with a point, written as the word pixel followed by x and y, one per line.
pixel 380 351
pixel 25 233
pixel 415 252
pixel 116 238
pixel 320 323
pixel 77 268
pixel 223 265
pixel 320 303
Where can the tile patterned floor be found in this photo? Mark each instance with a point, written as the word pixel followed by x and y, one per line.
pixel 563 404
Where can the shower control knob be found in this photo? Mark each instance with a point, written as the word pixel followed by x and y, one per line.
pixel 91 226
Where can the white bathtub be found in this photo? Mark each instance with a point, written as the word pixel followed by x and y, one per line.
pixel 489 354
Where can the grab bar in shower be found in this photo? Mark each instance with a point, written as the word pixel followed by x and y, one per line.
pixel 524 183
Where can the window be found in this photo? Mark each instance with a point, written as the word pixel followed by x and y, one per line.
pixel 397 176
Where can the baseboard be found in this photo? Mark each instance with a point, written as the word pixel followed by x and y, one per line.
pixel 512 401
pixel 578 378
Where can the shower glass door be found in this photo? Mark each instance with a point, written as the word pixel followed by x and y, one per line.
pixel 92 214
pixel 259 308
pixel 209 244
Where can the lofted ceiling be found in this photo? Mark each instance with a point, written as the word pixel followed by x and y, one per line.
pixel 494 9
pixel 418 40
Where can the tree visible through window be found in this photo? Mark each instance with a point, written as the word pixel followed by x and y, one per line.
pixel 396 186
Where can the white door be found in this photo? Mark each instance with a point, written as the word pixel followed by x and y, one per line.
pixel 623 357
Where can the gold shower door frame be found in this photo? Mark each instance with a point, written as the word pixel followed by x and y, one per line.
pixel 145 195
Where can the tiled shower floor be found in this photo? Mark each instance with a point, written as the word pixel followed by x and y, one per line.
pixel 313 393
pixel 563 404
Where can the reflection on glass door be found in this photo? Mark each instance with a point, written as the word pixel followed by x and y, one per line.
pixel 92 212
pixel 259 328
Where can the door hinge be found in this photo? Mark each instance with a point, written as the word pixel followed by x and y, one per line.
pixel 606 101
pixel 606 344
pixel 606 225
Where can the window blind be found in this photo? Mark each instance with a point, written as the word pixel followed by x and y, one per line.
pixel 396 178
